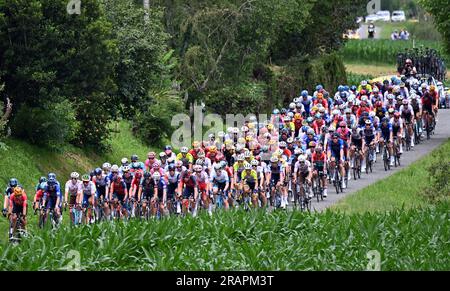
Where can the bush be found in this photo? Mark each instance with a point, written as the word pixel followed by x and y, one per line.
pixel 51 125
pixel 439 177
pixel 355 79
pixel 243 98
pixel 153 125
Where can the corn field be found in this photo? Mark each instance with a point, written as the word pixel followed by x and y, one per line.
pixel 416 239
pixel 380 51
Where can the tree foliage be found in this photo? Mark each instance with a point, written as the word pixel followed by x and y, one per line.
pixel 440 9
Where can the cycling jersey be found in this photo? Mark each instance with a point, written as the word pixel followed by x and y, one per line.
pixel 396 126
pixel 148 187
pixel 18 202
pixel 369 134
pixel 185 159
pixel 335 148
pixel 101 184
pixel 73 189
pixel 250 177
pixel 319 160
pixel 407 113
pixel 238 168
pixel 189 186
pixel 386 130
pixel 128 181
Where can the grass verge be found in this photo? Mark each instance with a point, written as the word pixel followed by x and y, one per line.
pixel 401 190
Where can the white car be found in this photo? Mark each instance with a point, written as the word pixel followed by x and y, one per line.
pixel 398 15
pixel 384 15
pixel 371 18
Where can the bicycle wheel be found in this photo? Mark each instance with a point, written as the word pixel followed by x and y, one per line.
pixel 336 181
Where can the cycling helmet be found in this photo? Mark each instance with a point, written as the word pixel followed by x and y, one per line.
pixel 106 166
pixel 318 116
pixel 391 110
pixel 221 134
pixel 74 175
pixel 155 165
pixel 309 120
pixel 244 128
pixel 390 96
pixel 341 88
pixel 310 131
pixel 353 88
pixel 115 168
pixel 397 114
pixel 43 185
pixel 184 150
pixel 198 168
pixel 18 191
pixel 283 111
pixel 336 135
pixel 254 163
pixel 51 175
pixel 348 110
pixel 85 178
pixel 292 106
pixel 98 171
pixel 200 162
pixel 384 120
pixel 248 166
pixel 217 166
pixel 304 93
pixel 282 144
pixel 124 161
pixel 405 102
pixel 178 164
pixel 240 157
pixel 42 179
pixel 342 124
pixel 363 83
pixel 298 151
pixel 162 155
pixel 298 105
pixel 274 160
pixel 301 159
pixel 13 182
pixel 171 167
pixel 290 140
pixel 134 158
pixel 151 155
pixel 312 144
pixel 319 87
pixel 372 114
pixel 368 122
pixel 148 175
pixel 276 111
pixel 201 154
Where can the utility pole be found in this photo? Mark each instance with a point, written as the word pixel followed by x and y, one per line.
pixel 146 8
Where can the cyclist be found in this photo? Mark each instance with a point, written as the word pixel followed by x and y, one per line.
pixel 370 139
pixel 72 187
pixel 89 193
pixel 385 136
pixel 172 178
pixel 52 196
pixel 336 155
pixel 17 208
pixel 39 192
pixel 188 190
pixel 319 162
pixel 407 115
pixel 158 201
pixel 169 152
pixel 274 176
pixel 303 172
pixel 146 191
pixel 135 164
pixel 13 183
pixel 249 180
pixel 203 187
pixel 119 194
pixel 102 185
pixel 151 159
pixel 397 130
pixel 344 135
pixel 186 158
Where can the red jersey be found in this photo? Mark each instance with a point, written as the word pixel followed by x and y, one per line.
pixel 321 101
pixel 319 158
pixel 317 125
pixel 20 201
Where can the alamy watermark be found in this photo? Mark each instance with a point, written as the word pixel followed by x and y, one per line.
pixel 75 261
pixel 374 258
pixel 74 7
pixel 373 6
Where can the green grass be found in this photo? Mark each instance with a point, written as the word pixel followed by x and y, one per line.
pixel 418 30
pixel 403 189
pixel 27 162
pixel 246 241
pixel 355 79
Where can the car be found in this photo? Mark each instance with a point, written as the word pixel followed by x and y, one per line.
pixel 384 15
pixel 371 18
pixel 359 19
pixel 398 15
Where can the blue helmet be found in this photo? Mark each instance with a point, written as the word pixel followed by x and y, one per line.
pixel 13 182
pixel 42 185
pixel 309 119
pixel 98 171
pixel 305 93
pixel 51 175
pixel 385 119
pixel 276 111
pixel 353 88
pixel 346 88
pixel 51 180
pixel 318 115
pixel 42 179
pixel 319 87
pixel 340 88
pixel 343 95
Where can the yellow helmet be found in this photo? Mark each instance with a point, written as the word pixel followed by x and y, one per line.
pixel 270 126
pixel 18 191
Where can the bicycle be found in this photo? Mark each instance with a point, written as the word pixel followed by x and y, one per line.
pixel 317 186
pixel 407 139
pixel 357 165
pixel 304 201
pixel 386 158
pixel 15 237
pixel 396 152
pixel 370 155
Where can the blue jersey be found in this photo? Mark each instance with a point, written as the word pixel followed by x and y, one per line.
pixel 336 148
pixel 52 191
pixel 385 130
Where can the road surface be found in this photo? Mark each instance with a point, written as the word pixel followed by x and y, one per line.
pixel 442 133
pixel 363 33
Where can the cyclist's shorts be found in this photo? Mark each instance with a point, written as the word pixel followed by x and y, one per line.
pixel 428 109
pixel 17 208
pixel 72 199
pixel 368 140
pixel 188 193
pixel 51 202
pixel 319 168
pixel 171 188
pixel 219 185
pixel 202 186
pixel 121 198
pixel 251 185
pixel 337 156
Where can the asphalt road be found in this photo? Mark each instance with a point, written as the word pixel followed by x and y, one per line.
pixel 363 33
pixel 442 133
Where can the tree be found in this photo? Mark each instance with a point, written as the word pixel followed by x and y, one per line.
pixel 440 11
pixel 49 56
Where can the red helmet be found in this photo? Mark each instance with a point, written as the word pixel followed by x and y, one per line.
pixel 378 104
pixel 219 156
pixel 342 123
pixel 363 92
pixel 397 114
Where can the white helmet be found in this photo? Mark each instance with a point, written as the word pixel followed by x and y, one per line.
pixel 247 154
pixel 198 168
pixel 302 158
pixel 254 163
pixel 274 160
pixel 217 166
pixel 244 128
pixel 106 166
pixel 247 166
pixel 298 151
pixel 114 168
pixel 292 105
pixel 74 175
pixel 124 160
pixel 184 150
pixel 372 113
pixel 240 157
pixel 230 130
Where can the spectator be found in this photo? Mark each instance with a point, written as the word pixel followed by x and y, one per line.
pixel 394 35
pixel 404 34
